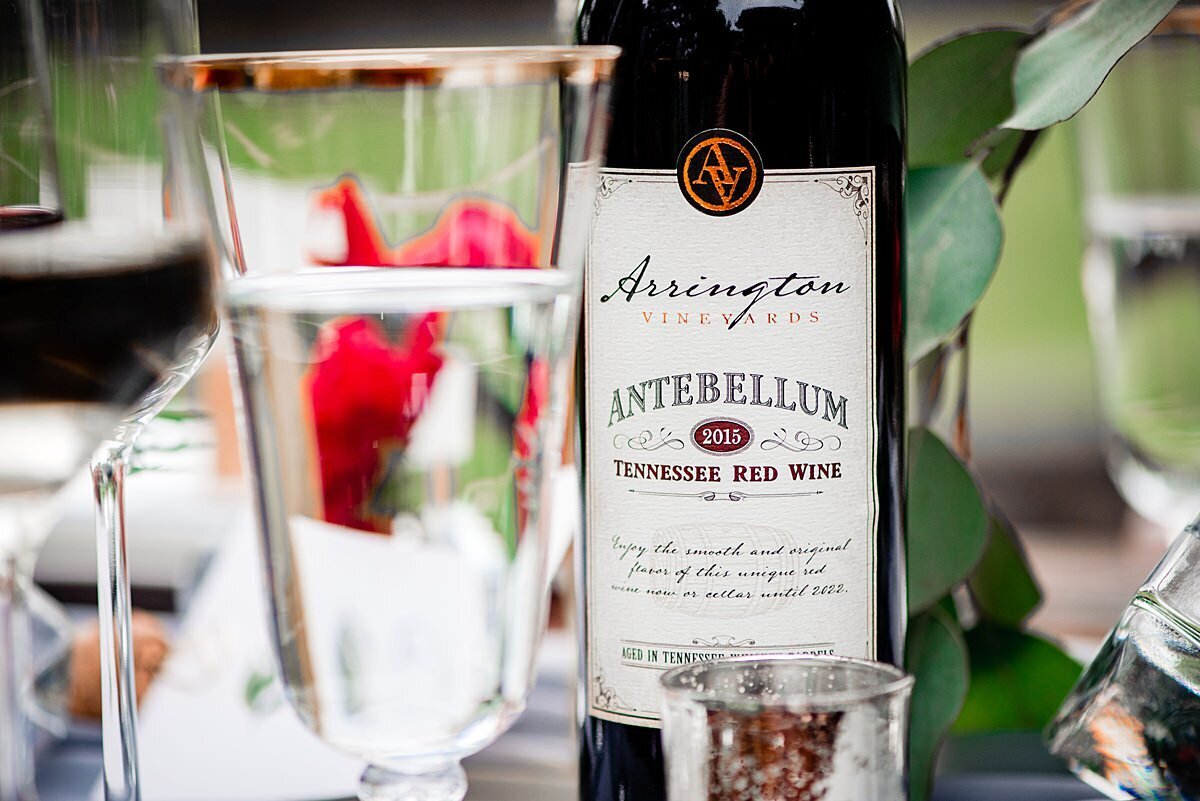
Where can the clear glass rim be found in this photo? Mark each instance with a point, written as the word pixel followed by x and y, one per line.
pixel 389 68
pixel 893 681
pixel 355 290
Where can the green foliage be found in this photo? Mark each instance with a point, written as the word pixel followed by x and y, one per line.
pixel 963 89
pixel 1018 681
pixel 965 96
pixel 1002 587
pixel 20 156
pixel 978 104
pixel 954 242
pixel 315 136
pixel 947 522
pixel 1058 74
pixel 90 134
pixel 937 656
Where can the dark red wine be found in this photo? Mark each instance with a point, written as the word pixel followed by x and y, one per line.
pixel 743 374
pixel 19 218
pixel 89 319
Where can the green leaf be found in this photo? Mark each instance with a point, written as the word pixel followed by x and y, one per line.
pixel 1004 146
pixel 1009 150
pixel 1002 586
pixel 1058 74
pixel 947 522
pixel 1018 681
pixel 954 245
pixel 936 655
pixel 958 92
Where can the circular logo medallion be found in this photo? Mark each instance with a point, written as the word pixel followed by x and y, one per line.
pixel 720 172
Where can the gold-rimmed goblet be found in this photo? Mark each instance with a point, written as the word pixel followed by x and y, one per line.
pixel 409 229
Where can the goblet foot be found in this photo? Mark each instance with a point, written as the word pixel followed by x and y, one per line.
pixel 440 782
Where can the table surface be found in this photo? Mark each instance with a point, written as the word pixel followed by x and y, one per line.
pixel 192 731
pixel 69 771
pixel 992 768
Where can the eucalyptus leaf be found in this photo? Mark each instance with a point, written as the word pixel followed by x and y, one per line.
pixel 1008 155
pixel 954 243
pixel 1002 586
pixel 947 521
pixel 958 92
pixel 1018 681
pixel 1004 146
pixel 1058 74
pixel 948 607
pixel 936 655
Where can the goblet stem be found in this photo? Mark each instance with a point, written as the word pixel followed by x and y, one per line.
pixel 119 701
pixel 440 781
pixel 16 751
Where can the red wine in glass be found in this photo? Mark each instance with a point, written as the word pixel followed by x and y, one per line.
pixel 88 326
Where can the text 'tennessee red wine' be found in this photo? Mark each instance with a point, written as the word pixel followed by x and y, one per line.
pixel 743 379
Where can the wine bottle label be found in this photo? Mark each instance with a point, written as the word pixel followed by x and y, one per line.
pixel 731 428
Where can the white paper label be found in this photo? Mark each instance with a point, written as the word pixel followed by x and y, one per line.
pixel 731 426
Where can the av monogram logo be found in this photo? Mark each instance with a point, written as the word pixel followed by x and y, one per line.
pixel 720 172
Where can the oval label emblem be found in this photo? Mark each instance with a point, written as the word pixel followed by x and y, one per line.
pixel 722 436
pixel 720 172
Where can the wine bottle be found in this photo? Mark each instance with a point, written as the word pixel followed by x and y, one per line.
pixel 743 375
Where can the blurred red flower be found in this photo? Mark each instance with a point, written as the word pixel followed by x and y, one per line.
pixel 473 232
pixel 367 391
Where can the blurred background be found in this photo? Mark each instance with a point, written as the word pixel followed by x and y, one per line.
pixel 1039 440
pixel 1037 437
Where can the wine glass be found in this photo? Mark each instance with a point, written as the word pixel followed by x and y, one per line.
pixel 404 427
pixel 134 195
pixel 47 427
pixel 1140 164
pixel 404 424
pixel 85 325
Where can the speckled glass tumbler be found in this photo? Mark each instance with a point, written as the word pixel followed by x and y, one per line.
pixel 787 729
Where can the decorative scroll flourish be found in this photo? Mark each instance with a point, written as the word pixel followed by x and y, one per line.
pixel 609 184
pixel 649 441
pixel 723 641
pixel 801 442
pixel 710 496
pixel 606 697
pixel 856 188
